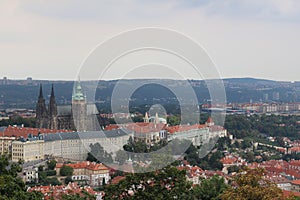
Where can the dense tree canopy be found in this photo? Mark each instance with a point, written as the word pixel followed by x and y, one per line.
pixel 251 185
pixel 11 186
pixel 98 154
pixel 242 126
pixel 66 171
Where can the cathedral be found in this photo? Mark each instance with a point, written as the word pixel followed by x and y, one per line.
pixel 80 116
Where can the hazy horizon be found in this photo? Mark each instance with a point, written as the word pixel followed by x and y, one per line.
pixel 256 78
pixel 51 39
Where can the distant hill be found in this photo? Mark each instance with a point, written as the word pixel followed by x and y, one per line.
pixel 18 94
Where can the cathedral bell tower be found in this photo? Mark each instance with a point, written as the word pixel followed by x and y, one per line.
pixel 79 108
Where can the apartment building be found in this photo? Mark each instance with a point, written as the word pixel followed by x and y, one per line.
pixel 27 150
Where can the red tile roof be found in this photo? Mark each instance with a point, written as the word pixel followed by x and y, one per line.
pixel 181 128
pixel 287 194
pixel 85 165
pixel 25 131
pixel 56 192
pixel 296 182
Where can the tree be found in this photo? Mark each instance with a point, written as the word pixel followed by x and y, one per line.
pixel 252 185
pixel 167 183
pixel 68 179
pixel 233 168
pixel 173 120
pixel 51 164
pixel 98 154
pixel 210 189
pixel 121 157
pixel 66 171
pixel 83 196
pixel 11 186
pixel 41 168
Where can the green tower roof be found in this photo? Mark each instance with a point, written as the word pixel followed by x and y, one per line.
pixel 77 92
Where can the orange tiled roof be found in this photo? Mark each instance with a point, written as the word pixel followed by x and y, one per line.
pixel 209 120
pixel 229 160
pixel 144 127
pixel 287 193
pixel 11 131
pixel 296 182
pixel 85 165
pixel 181 128
pixel 55 192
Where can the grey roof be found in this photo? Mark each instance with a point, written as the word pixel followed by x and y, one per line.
pixel 85 135
pixel 2 128
pixel 92 109
pixel 67 109
pixel 64 110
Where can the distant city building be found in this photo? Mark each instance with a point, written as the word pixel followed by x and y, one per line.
pixel 276 96
pixel 265 97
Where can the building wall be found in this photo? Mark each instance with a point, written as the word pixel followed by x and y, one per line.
pixel 295 187
pixel 77 149
pixel 27 151
pixel 5 144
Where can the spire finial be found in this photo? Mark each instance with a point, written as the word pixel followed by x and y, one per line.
pixel 41 91
pixel 52 91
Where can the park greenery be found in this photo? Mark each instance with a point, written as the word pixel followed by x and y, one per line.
pixel 11 186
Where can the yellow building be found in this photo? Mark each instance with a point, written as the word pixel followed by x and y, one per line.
pixel 5 144
pixel 27 151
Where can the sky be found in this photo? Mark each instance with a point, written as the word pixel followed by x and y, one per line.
pixel 244 38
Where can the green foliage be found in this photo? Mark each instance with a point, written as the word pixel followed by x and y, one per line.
pixel 11 186
pixel 209 162
pixel 168 183
pixel 41 168
pixel 233 168
pixel 98 154
pixel 50 173
pixel 210 189
pixel 138 118
pixel 44 180
pixel 84 196
pixel 252 185
pixel 27 122
pixel 246 143
pixel 68 179
pixel 66 171
pixel 253 126
pixel 51 164
pixel 173 120
pixel 121 157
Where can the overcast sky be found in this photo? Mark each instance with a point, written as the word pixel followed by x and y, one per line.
pixel 245 38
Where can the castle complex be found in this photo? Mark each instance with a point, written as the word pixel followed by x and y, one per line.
pixel 79 116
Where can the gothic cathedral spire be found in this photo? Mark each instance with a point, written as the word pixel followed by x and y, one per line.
pixel 52 111
pixel 41 111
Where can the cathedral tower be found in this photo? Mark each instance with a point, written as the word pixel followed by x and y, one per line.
pixel 41 111
pixel 79 108
pixel 53 124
